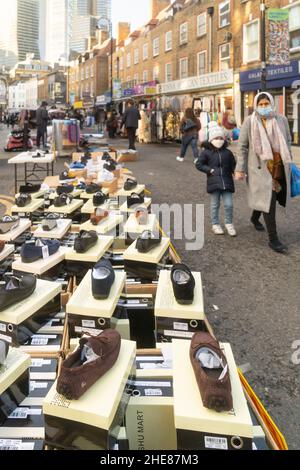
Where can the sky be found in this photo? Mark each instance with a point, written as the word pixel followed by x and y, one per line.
pixel 137 12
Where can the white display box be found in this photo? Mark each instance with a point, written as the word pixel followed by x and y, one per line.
pixel 32 207
pixel 89 207
pixel 74 193
pixel 154 256
pixel 16 365
pixel 43 265
pixel 85 195
pixel 8 250
pixel 124 207
pixel 138 190
pixel 24 225
pixel 94 254
pixel 106 226
pixel 132 227
pixel 63 226
pixel 69 209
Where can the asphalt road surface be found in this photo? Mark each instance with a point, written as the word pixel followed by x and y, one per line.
pixel 252 295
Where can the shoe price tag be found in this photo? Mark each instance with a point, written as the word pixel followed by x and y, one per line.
pixel 15 444
pixel 153 392
pixel 19 413
pixel 181 326
pixel 37 385
pixel 148 365
pixel 3 327
pixel 39 341
pixel 45 252
pixel 178 334
pixel 220 443
pixel 88 323
pixel 36 363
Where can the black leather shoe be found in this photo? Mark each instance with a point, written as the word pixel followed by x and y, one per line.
pixel 50 222
pixel 130 184
pixel 135 199
pixel 16 289
pixel 103 277
pixel 63 200
pixel 258 225
pixel 65 189
pixel 110 166
pixel 93 188
pixel 85 241
pixel 30 188
pixel 278 247
pixel 147 241
pixel 23 200
pixel 183 283
pixel 99 199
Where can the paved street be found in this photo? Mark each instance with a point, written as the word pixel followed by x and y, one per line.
pixel 256 291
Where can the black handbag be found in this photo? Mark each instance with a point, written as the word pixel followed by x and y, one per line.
pixel 189 125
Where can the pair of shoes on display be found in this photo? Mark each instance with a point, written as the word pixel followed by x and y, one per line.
pixel 77 166
pixel 63 200
pixel 39 249
pixel 50 222
pixel 142 216
pixel 106 176
pixel 110 166
pixel 99 199
pixel 85 241
pixel 95 356
pixel 64 189
pixel 211 372
pixel 99 216
pixel 93 188
pixel 103 278
pixel 135 199
pixel 147 241
pixel 30 188
pixel 15 289
pixel 130 184
pixel 8 223
pixel 183 283
pixel 23 200
pixel 217 230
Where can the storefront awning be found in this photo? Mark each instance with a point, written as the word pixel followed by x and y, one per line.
pixel 277 77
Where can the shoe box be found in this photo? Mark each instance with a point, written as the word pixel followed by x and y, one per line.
pixel 173 320
pixel 199 428
pixel 140 312
pixel 14 382
pixel 155 362
pixel 146 265
pixel 94 421
pixel 10 443
pixel 149 419
pixel 122 441
pixel 16 321
pixel 42 344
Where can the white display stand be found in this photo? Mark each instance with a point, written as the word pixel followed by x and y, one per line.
pixel 154 256
pixel 133 227
pixel 112 221
pixel 138 190
pixel 8 250
pixel 43 265
pixel 63 226
pixel 24 225
pixel 132 210
pixel 15 365
pixel 191 415
pixel 94 254
pixel 75 193
pixel 166 304
pixel 89 207
pixel 83 303
pixel 69 209
pixel 27 157
pixel 32 207
pixel 36 195
pixel 44 292
pixel 85 195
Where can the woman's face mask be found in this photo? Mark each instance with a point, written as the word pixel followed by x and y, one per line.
pixel 265 111
pixel 218 143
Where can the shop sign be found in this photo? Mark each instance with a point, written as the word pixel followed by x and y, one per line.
pixel 78 105
pixel 117 89
pixel 128 92
pixel 210 80
pixel 277 76
pixel 149 91
pixel 72 97
pixel 103 100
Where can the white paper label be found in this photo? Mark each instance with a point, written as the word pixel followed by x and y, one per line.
pixel 6 338
pixel 153 384
pixel 45 252
pixel 3 327
pixel 40 362
pixel 19 413
pixel 15 444
pixel 148 365
pixel 133 302
pixel 37 385
pixel 80 329
pixel 149 358
pixel 181 326
pixel 216 443
pixel 35 411
pixel 89 323
pixel 153 392
pixel 39 341
pixel 178 334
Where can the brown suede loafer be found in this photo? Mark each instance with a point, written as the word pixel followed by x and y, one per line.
pixel 95 356
pixel 212 372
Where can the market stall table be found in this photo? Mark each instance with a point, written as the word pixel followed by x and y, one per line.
pixel 26 159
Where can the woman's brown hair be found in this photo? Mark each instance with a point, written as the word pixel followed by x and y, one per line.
pixel 189 114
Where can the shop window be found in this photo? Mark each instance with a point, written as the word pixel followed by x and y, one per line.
pixel 155 47
pixel 168 72
pixel 251 42
pixel 183 33
pixel 168 38
pixel 136 56
pixel 156 73
pixel 184 64
pixel 128 59
pixel 145 76
pixel 145 52
pixel 295 26
pixel 224 54
pixel 201 25
pixel 224 14
pixel 136 78
pixel 201 63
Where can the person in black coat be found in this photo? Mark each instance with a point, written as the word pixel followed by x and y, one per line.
pixel 131 120
pixel 218 162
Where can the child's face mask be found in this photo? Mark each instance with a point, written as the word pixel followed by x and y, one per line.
pixel 218 143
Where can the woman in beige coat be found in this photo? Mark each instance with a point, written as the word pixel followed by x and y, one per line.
pixel 264 157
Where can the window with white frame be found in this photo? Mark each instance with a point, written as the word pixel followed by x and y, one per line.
pixel 145 76
pixel 201 63
pixel 294 26
pixel 145 51
pixel 201 25
pixel 251 42
pixel 224 56
pixel 224 14
pixel 121 63
pixel 136 56
pixel 183 32
pixel 128 59
pixel 92 88
pixel 156 73
pixel 168 72
pixel 183 68
pixel 136 77
pixel 155 47
pixel 168 42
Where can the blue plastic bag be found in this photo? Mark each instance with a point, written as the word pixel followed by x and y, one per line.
pixel 295 180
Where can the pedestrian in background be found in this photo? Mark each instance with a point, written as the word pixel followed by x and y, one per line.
pixel 218 162
pixel 189 127
pixel 131 120
pixel 265 157
pixel 42 118
pixel 112 125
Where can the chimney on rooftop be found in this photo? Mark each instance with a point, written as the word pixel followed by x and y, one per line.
pixel 156 6
pixel 123 32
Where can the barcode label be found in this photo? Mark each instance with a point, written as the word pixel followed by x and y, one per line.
pixel 35 385
pixel 181 326
pixel 9 444
pixel 40 362
pixel 80 329
pixel 88 323
pixel 153 392
pixel 45 336
pixel 3 327
pixel 178 334
pixel 152 384
pixel 45 251
pixel 19 413
pixel 216 443
pixel 148 365
pixel 39 341
pixel 149 358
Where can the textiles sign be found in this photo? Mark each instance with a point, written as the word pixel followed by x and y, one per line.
pixel 211 80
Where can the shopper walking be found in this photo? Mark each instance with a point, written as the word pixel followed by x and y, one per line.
pixel 131 120
pixel 189 127
pixel 112 125
pixel 42 118
pixel 218 162
pixel 265 157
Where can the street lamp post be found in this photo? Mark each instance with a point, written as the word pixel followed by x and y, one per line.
pixel 102 24
pixel 263 46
